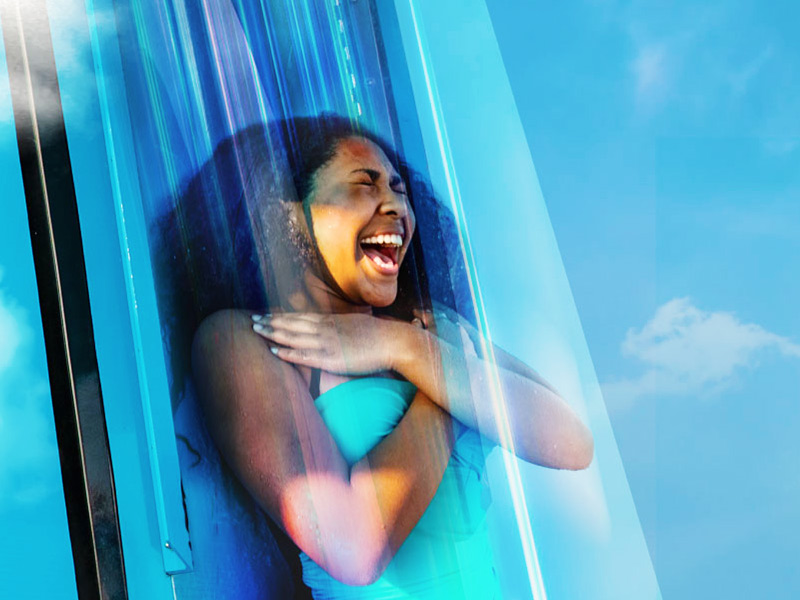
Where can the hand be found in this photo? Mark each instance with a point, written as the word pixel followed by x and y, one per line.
pixel 348 344
pixel 451 327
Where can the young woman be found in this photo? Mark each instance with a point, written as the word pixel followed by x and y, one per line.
pixel 356 418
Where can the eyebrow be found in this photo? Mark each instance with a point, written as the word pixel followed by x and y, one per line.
pixel 376 175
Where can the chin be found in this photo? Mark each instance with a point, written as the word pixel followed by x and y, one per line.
pixel 381 300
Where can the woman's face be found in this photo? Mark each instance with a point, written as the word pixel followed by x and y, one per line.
pixel 362 221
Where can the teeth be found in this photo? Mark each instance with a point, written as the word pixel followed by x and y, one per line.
pixel 389 239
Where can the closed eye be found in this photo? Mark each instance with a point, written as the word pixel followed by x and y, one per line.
pixel 396 189
pixel 398 185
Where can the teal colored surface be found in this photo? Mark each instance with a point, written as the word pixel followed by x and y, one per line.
pixel 35 552
pixel 360 412
pixel 447 555
pixel 142 309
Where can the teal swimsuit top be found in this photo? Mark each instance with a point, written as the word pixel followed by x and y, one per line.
pixel 447 554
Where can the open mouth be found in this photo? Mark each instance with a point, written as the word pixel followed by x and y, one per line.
pixel 383 250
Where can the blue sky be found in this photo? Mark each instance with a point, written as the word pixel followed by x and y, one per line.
pixel 666 138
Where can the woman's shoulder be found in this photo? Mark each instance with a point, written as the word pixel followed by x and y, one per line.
pixel 230 333
pixel 225 322
pixel 227 352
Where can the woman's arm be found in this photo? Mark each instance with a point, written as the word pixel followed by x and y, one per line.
pixel 451 326
pixel 457 331
pixel 349 520
pixel 543 428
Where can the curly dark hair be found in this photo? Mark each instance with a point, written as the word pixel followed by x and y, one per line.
pixel 205 246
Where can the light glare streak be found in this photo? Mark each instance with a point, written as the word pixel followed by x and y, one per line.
pixel 498 403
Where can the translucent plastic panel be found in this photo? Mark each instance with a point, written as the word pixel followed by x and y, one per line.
pixel 584 539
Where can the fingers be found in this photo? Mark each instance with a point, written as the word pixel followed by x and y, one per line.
pixel 299 338
pixel 292 347
pixel 290 338
pixel 289 317
pixel 301 356
pixel 335 343
pixel 297 323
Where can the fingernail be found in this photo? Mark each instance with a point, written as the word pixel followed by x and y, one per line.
pixel 256 317
pixel 258 327
pixel 273 349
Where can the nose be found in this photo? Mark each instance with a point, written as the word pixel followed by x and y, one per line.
pixel 394 204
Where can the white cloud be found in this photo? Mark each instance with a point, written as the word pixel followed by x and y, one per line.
pixel 696 58
pixel 28 455
pixel 10 333
pixel 6 109
pixel 741 78
pixel 780 146
pixel 649 67
pixel 661 44
pixel 68 25
pixel 689 351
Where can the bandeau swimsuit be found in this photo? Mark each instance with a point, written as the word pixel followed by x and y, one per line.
pixel 447 555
